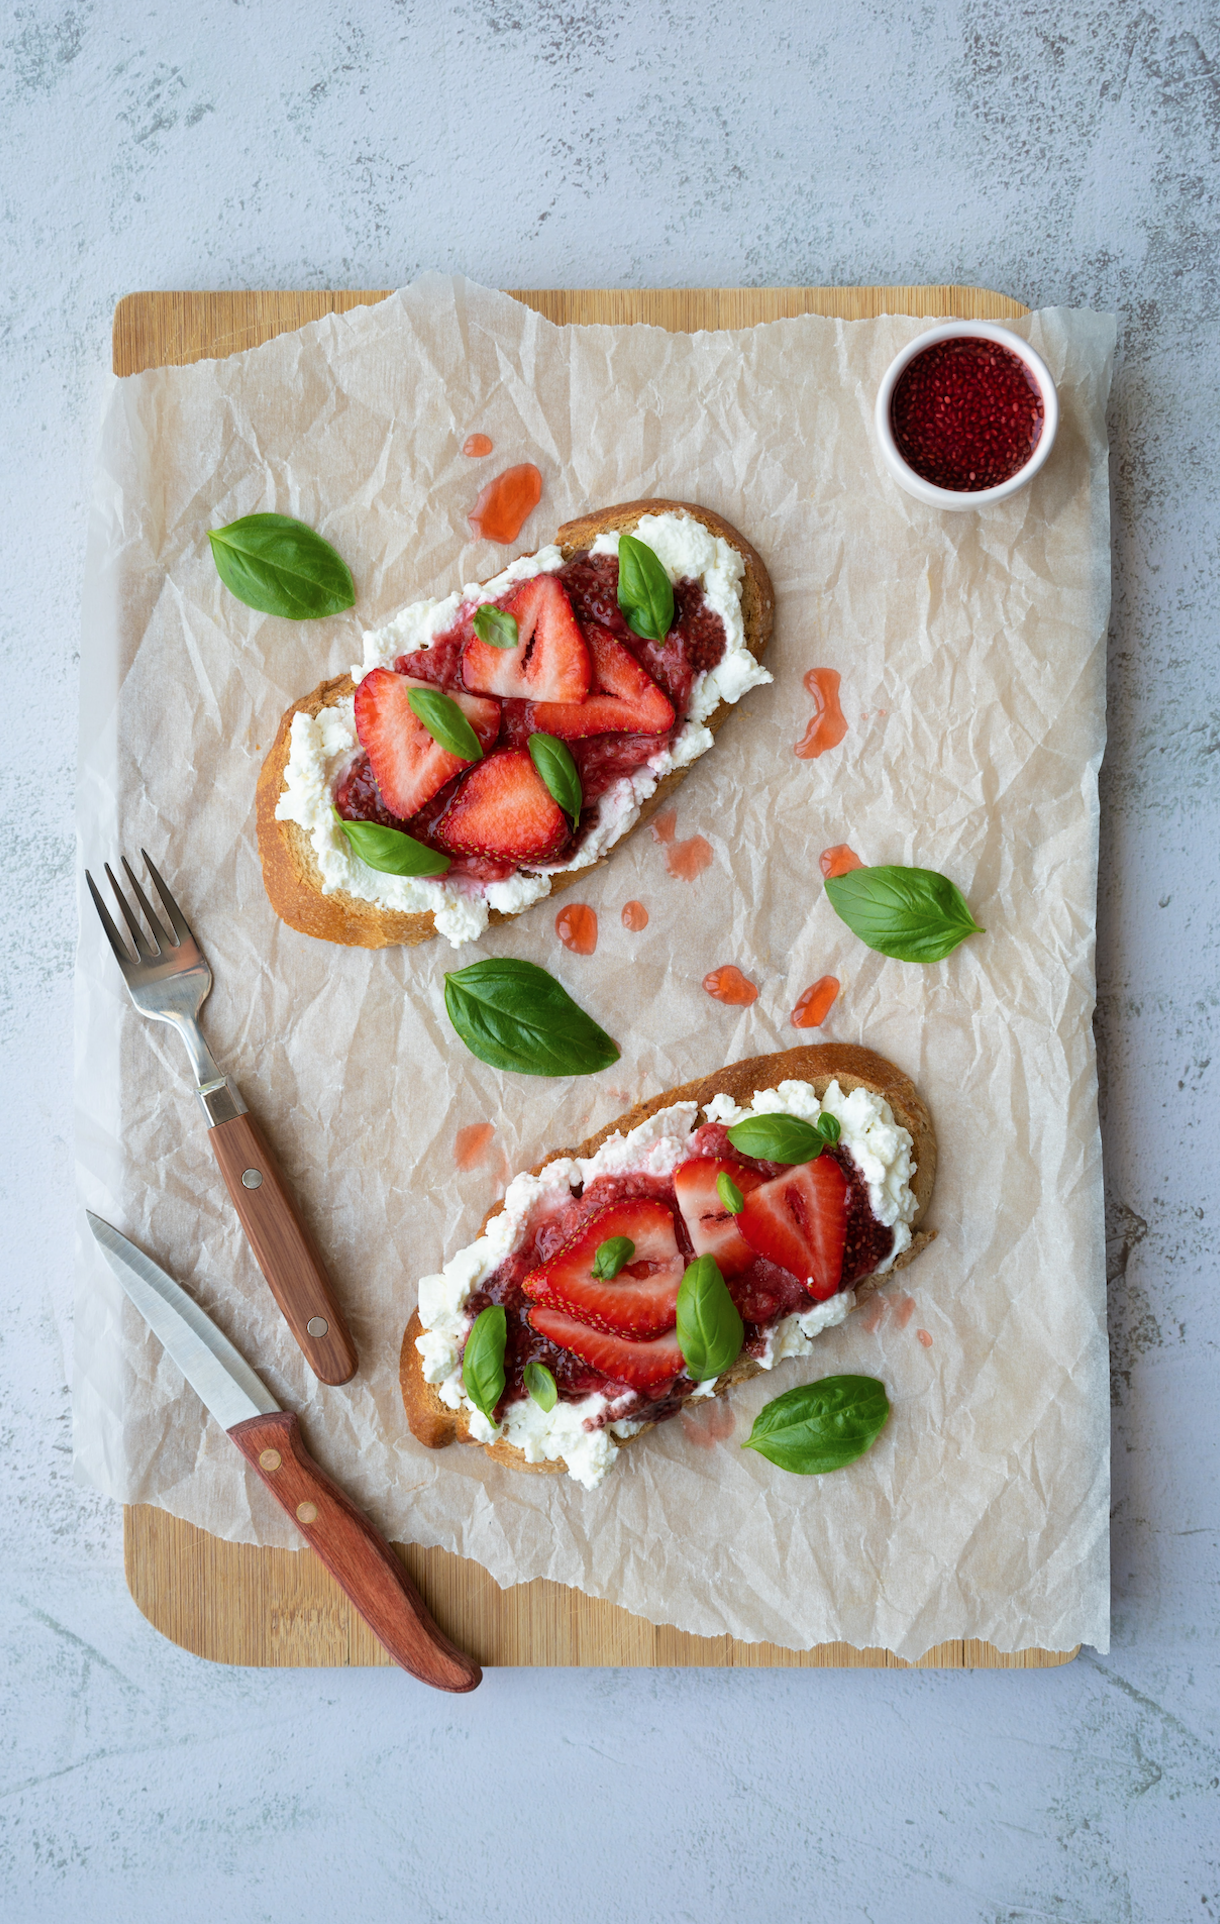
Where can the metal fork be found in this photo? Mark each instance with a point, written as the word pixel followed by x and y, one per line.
pixel 168 979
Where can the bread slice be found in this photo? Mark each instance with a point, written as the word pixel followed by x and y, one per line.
pixel 434 1424
pixel 290 870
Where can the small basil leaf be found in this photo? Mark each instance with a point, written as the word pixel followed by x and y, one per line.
pixel 710 1329
pixel 553 760
pixel 611 1255
pixel 483 1359
pixel 776 1138
pixel 912 914
pixel 645 592
pixel 391 851
pixel 729 1194
pixel 541 1385
pixel 829 1128
pixel 281 567
pixel 514 1015
pixel 495 627
pixel 445 722
pixel 820 1426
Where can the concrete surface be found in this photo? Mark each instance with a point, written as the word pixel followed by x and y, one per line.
pixel 1062 153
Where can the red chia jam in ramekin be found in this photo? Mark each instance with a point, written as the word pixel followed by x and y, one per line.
pixel 967 414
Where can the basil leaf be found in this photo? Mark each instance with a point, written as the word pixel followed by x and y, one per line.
pixel 829 1128
pixel 514 1015
pixel 553 760
pixel 497 629
pixel 912 914
pixel 710 1329
pixel 645 592
pixel 611 1255
pixel 281 567
pixel 389 850
pixel 541 1385
pixel 776 1138
pixel 483 1359
pixel 729 1194
pixel 445 722
pixel 820 1426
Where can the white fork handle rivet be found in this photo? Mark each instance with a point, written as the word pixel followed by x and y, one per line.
pixel 251 1178
pixel 318 1326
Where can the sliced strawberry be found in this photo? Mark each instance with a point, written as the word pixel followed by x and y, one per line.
pixel 504 809
pixel 550 661
pixel 799 1220
pixel 409 766
pixel 713 1230
pixel 642 1300
pixel 627 702
pixel 641 1365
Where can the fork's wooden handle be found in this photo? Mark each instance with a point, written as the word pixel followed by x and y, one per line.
pixel 360 1560
pixel 284 1248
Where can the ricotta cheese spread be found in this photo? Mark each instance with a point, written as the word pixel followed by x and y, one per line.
pixel 879 1146
pixel 322 746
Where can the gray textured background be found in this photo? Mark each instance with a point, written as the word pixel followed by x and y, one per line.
pixel 1063 153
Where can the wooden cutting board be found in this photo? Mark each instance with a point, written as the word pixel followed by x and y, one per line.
pixel 237 1604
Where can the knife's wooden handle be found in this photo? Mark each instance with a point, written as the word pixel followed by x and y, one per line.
pixel 360 1560
pixel 284 1248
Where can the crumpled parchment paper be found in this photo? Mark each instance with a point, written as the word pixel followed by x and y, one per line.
pixel 971 650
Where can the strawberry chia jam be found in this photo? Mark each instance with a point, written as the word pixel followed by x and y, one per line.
pixel 764 1293
pixel 694 645
pixel 966 414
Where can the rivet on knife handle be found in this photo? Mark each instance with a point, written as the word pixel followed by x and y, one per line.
pixel 284 1249
pixel 359 1559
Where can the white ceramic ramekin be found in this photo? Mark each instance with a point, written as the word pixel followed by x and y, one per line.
pixel 905 475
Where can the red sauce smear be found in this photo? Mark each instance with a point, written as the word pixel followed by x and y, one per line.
pixel 966 414
pixel 839 860
pixel 506 504
pixel 576 927
pixel 827 727
pixel 686 859
pixel 708 1421
pixel 471 1144
pixel 814 1006
pixel 924 1338
pixel 728 984
pixel 635 916
pixel 476 444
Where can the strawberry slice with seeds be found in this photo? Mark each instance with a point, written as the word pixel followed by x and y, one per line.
pixel 714 1231
pixel 504 809
pixel 642 1300
pixel 642 1366
pixel 799 1220
pixel 627 700
pixel 550 661
pixel 410 767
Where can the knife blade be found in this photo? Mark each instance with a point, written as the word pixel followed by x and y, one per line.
pixel 269 1437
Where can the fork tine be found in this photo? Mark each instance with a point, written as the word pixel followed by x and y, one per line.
pixel 115 939
pixel 182 928
pixel 160 935
pixel 144 951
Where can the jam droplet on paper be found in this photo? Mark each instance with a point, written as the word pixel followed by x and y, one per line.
pixel 839 860
pixel 506 503
pixel 576 927
pixel 471 1144
pixel 924 1338
pixel 904 1309
pixel 476 445
pixel 686 859
pixel 967 414
pixel 728 984
pixel 814 1006
pixel 708 1421
pixel 827 727
pixel 635 916
pixel 873 1314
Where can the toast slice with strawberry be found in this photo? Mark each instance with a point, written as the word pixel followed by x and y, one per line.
pixel 598 1308
pixel 553 654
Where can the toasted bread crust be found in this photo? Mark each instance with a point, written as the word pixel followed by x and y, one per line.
pixel 290 870
pixel 435 1425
